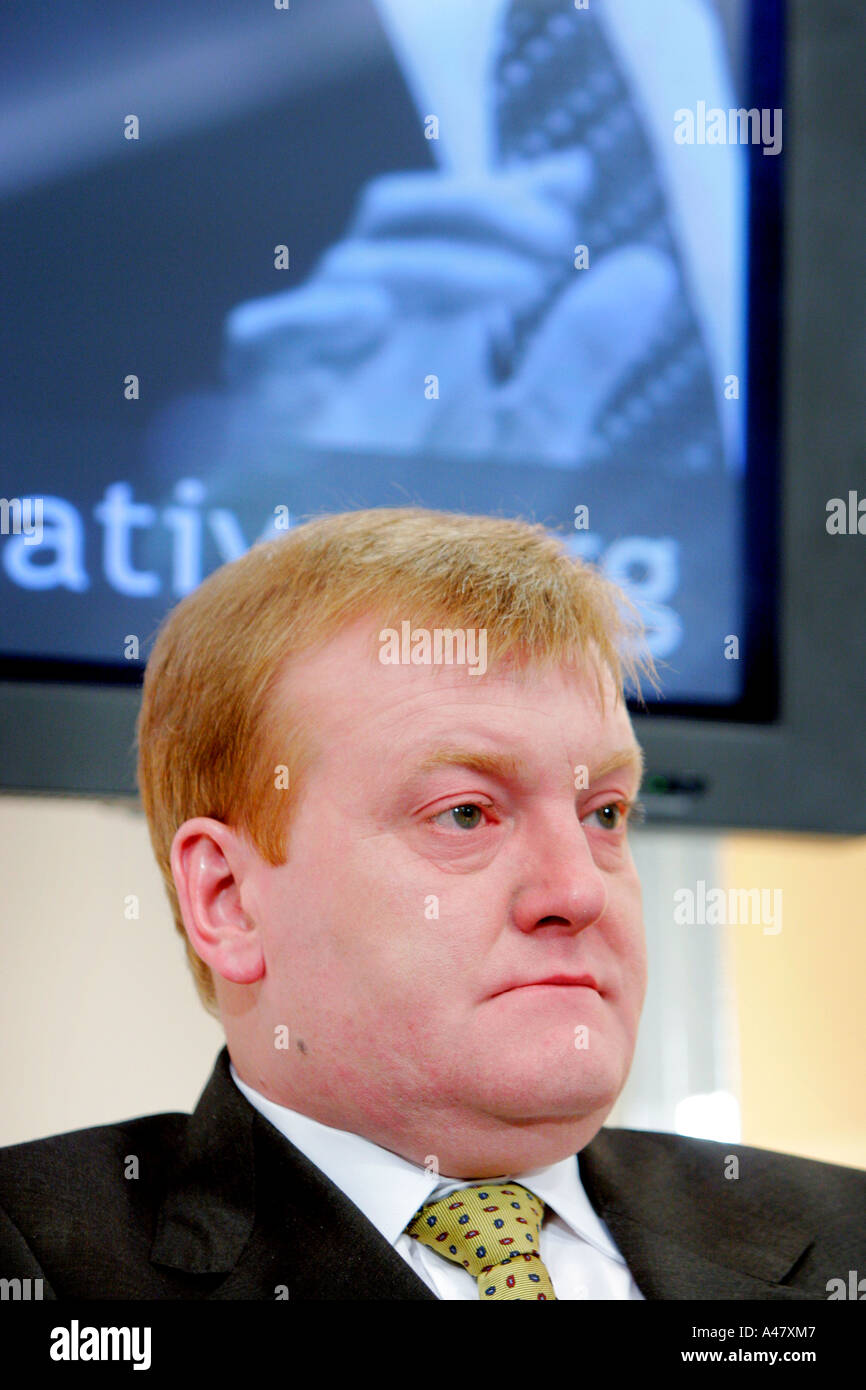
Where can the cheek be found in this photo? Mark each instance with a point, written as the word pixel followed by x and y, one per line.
pixel 628 937
pixel 640 975
pixel 366 920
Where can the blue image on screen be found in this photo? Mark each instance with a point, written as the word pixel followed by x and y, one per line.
pixel 492 262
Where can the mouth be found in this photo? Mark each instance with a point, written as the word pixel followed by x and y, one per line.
pixel 561 981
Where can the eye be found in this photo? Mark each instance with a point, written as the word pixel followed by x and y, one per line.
pixel 613 816
pixel 466 816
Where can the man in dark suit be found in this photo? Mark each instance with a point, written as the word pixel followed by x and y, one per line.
pixel 388 774
pixel 225 1208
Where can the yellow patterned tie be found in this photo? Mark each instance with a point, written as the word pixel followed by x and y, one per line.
pixel 493 1230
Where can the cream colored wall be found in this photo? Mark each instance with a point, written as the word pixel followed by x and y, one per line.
pixel 100 1020
pixel 801 996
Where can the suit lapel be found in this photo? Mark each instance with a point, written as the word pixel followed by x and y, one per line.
pixel 250 1207
pixel 683 1234
pixel 310 1238
pixel 207 1216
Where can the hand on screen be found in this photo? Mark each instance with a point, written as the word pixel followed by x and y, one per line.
pixel 433 281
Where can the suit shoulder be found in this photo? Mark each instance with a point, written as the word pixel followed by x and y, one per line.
pixel 78 1209
pixel 703 1160
pixel 78 1154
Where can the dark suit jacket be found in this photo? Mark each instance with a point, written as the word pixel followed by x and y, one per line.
pixel 225 1207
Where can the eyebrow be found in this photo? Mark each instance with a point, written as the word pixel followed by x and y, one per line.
pixel 631 757
pixel 507 767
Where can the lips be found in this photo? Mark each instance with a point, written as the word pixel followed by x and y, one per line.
pixel 585 981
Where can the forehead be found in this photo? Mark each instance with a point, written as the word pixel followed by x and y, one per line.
pixel 348 702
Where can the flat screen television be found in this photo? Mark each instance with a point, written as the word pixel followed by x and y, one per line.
pixel 594 265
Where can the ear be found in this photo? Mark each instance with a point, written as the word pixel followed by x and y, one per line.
pixel 207 863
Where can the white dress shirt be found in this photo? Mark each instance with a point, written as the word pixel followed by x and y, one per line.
pixel 576 1247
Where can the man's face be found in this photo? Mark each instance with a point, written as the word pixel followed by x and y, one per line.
pixel 441 858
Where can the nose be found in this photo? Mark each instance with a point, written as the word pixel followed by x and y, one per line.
pixel 563 886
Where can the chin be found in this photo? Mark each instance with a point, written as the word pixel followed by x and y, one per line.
pixel 521 1144
pixel 553 1095
pixel 551 1078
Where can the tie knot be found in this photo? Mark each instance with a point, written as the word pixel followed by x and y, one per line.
pixel 493 1230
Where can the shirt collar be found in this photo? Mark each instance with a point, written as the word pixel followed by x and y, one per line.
pixel 389 1189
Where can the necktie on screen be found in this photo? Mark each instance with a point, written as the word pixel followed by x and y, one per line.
pixel 558 85
pixel 493 1231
